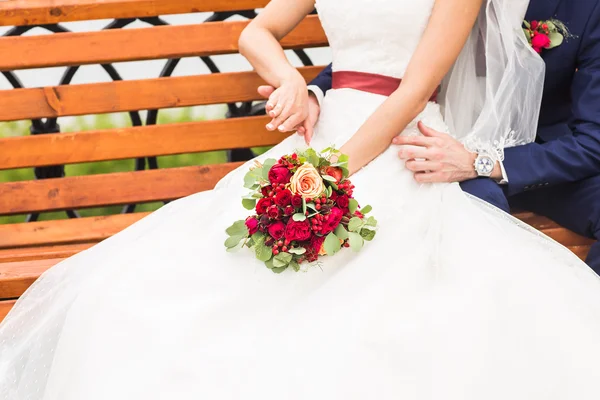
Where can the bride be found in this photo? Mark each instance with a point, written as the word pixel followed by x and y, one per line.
pixel 453 300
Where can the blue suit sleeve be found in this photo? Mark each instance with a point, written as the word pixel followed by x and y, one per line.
pixel 323 80
pixel 576 155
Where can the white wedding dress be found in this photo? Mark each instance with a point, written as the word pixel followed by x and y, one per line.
pixel 453 300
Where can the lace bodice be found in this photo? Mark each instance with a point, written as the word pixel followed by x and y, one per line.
pixel 351 26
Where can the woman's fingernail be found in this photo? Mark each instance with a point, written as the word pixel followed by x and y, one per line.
pixel 281 128
pixel 270 127
pixel 272 114
pixel 270 105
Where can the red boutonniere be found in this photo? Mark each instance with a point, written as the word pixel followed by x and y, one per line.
pixel 545 34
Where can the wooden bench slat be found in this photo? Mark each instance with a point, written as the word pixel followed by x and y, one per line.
pixel 108 189
pixel 68 231
pixel 156 140
pixel 34 12
pixel 98 98
pixel 16 277
pixel 141 44
pixel 42 252
pixel 5 307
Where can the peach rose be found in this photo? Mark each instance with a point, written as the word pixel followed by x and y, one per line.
pixel 307 182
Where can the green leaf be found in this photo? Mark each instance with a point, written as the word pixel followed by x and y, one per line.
pixel 303 205
pixel 556 39
pixel 250 179
pixel 263 253
pixel 312 157
pixel 267 165
pixel 329 191
pixel 295 265
pixel 259 237
pixel 341 232
pixel 279 270
pixel 356 241
pixel 269 264
pixel 551 26
pixel 355 224
pixel 238 229
pixel 312 206
pixel 332 244
pixel 282 260
pixel 367 234
pixel 328 178
pixel 249 204
pixel 297 250
pixel 353 206
pixel 233 241
pixel 527 24
pixel 371 221
pixel 299 217
pixel 235 248
pixel 366 209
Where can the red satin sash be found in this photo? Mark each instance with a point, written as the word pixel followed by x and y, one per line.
pixel 366 82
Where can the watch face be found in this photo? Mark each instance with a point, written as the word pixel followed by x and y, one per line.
pixel 484 165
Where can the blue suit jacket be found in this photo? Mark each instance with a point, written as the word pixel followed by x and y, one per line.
pixel 567 148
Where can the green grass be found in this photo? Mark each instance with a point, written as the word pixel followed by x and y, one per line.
pixel 106 122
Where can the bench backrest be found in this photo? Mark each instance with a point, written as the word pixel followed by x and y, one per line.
pixel 45 150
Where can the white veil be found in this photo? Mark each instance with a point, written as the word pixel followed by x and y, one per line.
pixel 491 97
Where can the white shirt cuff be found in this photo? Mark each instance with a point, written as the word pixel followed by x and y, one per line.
pixel 317 92
pixel 504 180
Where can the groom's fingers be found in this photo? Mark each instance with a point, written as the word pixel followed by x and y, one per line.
pixel 428 132
pixel 423 166
pixel 431 177
pixel 415 141
pixel 412 152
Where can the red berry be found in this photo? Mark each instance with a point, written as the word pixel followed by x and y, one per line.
pixel 284 249
pixel 317 201
pixel 271 194
pixel 346 244
pixel 275 251
pixel 280 243
pixel 318 207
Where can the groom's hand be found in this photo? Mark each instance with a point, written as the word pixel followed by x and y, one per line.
pixel 437 157
pixel 303 125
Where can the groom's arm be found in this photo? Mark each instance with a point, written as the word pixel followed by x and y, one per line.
pixel 321 84
pixel 576 155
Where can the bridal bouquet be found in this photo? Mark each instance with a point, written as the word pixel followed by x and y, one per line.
pixel 304 209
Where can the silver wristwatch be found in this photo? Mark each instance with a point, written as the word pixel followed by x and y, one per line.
pixel 484 165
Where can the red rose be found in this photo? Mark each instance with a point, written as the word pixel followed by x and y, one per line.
pixel 263 205
pixel 274 212
pixel 277 230
pixel 289 210
pixel 334 195
pixel 283 198
pixel 297 201
pixel 540 41
pixel 333 220
pixel 252 225
pixel 343 201
pixel 265 190
pixel 534 25
pixel 335 172
pixel 297 230
pixel 279 174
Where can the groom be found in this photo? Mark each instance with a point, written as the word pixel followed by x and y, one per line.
pixel 557 176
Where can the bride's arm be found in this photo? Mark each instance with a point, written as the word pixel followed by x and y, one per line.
pixel 449 26
pixel 259 43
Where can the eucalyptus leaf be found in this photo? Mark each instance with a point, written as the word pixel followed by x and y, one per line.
pixel 282 259
pixel 366 210
pixel 233 241
pixel 263 253
pixel 259 237
pixel 249 204
pixel 295 265
pixel 329 178
pixel 371 221
pixel 332 244
pixel 356 241
pixel 303 205
pixel 329 191
pixel 299 217
pixel 556 39
pixel 551 26
pixel 355 224
pixel 279 270
pixel 312 206
pixel 238 229
pixel 297 250
pixel 341 232
pixel 367 234
pixel 527 24
pixel 353 206
pixel 312 157
pixel 249 179
pixel 269 264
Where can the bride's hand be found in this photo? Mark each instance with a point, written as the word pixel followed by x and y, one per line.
pixel 288 104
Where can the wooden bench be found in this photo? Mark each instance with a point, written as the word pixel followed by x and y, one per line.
pixel 27 249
